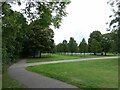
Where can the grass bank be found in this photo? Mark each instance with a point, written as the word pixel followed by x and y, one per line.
pixel 7 81
pixel 83 74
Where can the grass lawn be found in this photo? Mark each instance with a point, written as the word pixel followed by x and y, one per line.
pixel 8 82
pixel 54 57
pixel 83 74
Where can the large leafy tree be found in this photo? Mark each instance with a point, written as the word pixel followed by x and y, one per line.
pixel 72 45
pixel 83 46
pixel 106 42
pixel 13 33
pixel 95 37
pixel 95 46
pixel 44 15
pixel 40 39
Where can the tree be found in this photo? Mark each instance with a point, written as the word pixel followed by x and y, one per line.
pixel 65 46
pixel 106 43
pixel 95 46
pixel 44 11
pixel 13 33
pixel 40 39
pixel 95 37
pixel 18 35
pixel 59 47
pixel 72 45
pixel 83 46
pixel 115 22
pixel 62 47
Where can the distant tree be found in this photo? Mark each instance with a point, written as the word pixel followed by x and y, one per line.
pixel 83 46
pixel 59 47
pixel 112 36
pixel 65 46
pixel 54 50
pixel 95 37
pixel 72 45
pixel 62 47
pixel 95 46
pixel 106 42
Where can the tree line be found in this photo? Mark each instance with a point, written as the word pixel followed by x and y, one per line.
pixel 97 43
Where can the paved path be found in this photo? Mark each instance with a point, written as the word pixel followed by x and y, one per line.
pixel 33 80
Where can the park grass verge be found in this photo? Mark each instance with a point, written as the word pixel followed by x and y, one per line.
pixel 55 57
pixel 8 82
pixel 83 74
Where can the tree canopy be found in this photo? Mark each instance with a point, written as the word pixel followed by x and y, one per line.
pixel 72 45
pixel 115 22
pixel 83 46
pixel 94 44
pixel 21 39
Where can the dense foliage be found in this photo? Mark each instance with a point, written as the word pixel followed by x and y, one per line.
pixel 115 23
pixel 22 37
pixel 83 48
pixel 71 46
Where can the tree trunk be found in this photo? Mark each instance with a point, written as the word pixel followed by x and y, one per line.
pixel 105 53
pixel 34 54
pixel 102 53
pixel 84 54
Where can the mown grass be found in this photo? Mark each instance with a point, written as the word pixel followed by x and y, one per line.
pixel 8 82
pixel 83 74
pixel 54 57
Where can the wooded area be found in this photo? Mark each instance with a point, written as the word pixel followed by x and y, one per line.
pixel 20 39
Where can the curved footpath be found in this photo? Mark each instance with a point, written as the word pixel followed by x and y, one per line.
pixel 33 80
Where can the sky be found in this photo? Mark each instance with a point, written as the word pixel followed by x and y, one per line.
pixel 84 17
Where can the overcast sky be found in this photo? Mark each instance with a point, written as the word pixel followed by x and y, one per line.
pixel 84 16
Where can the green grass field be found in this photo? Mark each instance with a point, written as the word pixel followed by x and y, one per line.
pixel 54 57
pixel 83 74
